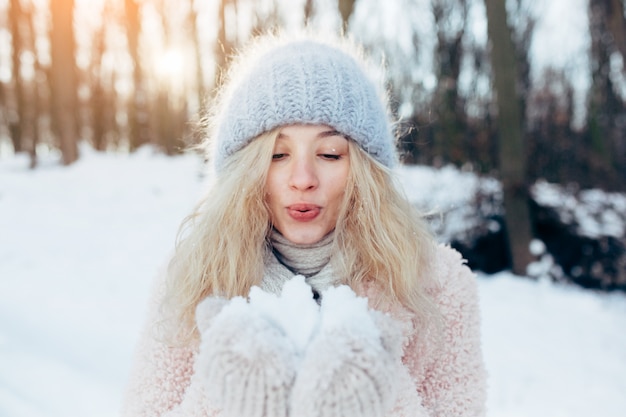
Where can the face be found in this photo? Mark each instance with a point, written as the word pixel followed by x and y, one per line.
pixel 306 181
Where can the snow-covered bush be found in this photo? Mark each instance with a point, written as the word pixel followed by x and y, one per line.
pixel 584 231
pixel 580 235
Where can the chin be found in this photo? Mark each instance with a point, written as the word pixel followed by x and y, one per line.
pixel 304 238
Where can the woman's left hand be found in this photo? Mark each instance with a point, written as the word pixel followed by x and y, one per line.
pixel 350 367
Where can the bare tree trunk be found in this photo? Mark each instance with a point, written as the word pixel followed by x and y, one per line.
pixel 450 125
pixel 98 100
pixel 346 7
pixel 193 19
pixel 24 126
pixel 169 116
pixel 512 156
pixel 221 46
pixel 616 23
pixel 16 124
pixel 606 108
pixel 3 107
pixel 63 82
pixel 308 11
pixel 34 107
pixel 137 108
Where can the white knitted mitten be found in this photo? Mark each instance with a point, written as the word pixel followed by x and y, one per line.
pixel 207 310
pixel 248 363
pixel 350 366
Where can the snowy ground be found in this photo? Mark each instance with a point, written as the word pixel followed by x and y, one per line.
pixel 80 245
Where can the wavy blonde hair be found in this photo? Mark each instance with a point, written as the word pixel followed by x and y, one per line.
pixel 222 245
pixel 381 237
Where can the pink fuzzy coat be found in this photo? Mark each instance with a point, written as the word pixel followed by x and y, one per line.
pixel 443 377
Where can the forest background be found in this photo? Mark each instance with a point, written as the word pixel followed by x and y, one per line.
pixel 521 90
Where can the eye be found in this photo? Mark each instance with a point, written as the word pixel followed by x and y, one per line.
pixel 278 156
pixel 330 156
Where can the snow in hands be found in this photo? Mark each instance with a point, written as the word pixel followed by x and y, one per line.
pixel 264 354
pixel 296 314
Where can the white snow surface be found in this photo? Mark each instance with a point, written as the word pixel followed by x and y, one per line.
pixel 80 246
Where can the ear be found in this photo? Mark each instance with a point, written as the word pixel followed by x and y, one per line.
pixel 207 309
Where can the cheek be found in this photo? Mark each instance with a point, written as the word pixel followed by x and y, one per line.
pixel 270 185
pixel 338 182
pixel 270 201
pixel 272 191
pixel 343 175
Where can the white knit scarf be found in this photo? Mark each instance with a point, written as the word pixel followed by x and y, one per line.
pixel 287 260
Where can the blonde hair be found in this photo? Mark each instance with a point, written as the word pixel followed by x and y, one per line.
pixel 222 245
pixel 381 237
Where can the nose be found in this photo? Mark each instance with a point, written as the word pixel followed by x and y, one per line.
pixel 303 175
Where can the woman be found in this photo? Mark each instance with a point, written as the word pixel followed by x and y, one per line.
pixel 302 152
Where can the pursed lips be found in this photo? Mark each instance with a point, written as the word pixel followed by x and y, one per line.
pixel 303 211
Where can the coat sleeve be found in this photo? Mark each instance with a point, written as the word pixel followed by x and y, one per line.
pixel 448 368
pixel 162 381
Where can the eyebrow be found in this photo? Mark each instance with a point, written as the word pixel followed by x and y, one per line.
pixel 328 133
pixel 324 134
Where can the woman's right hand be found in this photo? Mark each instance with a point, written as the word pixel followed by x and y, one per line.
pixel 247 363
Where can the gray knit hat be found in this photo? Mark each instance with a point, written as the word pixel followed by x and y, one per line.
pixel 304 81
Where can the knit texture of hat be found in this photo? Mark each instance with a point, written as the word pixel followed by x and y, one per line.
pixel 308 82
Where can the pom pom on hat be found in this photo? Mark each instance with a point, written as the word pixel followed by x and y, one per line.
pixel 307 81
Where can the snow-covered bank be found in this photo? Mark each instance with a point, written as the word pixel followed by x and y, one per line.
pixel 553 350
pixel 79 247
